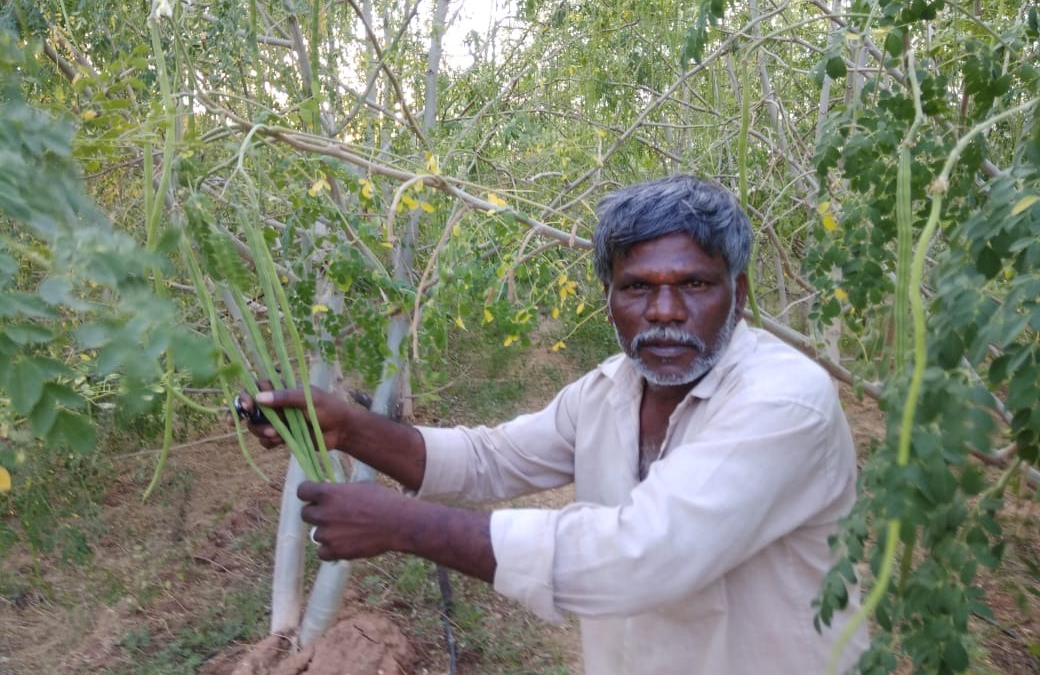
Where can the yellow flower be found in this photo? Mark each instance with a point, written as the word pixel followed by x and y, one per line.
pixel 580 308
pixel 5 480
pixel 88 115
pixel 488 317
pixel 319 308
pixel 510 340
pixel 426 206
pixel 840 294
pixel 459 323
pixel 830 224
pixel 318 186
pixel 432 165
pixel 556 313
pixel 558 346
pixel 496 200
pixel 367 189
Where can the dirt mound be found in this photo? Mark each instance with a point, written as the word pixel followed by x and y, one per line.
pixel 364 643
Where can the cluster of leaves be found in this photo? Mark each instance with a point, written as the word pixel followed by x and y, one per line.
pixel 80 326
pixel 983 315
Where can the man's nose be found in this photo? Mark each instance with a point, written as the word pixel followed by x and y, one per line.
pixel 666 305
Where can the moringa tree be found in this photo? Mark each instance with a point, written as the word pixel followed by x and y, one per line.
pixel 887 151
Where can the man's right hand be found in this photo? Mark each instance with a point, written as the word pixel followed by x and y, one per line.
pixel 333 414
pixel 392 448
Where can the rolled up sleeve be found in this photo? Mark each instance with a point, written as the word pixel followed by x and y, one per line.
pixel 523 541
pixel 531 453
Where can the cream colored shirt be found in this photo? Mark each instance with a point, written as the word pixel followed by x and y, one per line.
pixel 708 566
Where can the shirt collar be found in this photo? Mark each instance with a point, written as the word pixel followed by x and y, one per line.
pixel 620 369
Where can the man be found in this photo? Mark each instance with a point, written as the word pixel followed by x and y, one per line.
pixel 711 462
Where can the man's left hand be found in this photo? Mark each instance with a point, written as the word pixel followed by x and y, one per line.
pixel 353 520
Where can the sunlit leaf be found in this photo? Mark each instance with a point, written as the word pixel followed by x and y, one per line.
pixel 1024 204
pixel 367 189
pixel 318 186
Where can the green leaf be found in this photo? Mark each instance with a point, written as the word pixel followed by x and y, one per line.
pixel 57 291
pixel 988 263
pixel 894 42
pixel 8 268
pixel 75 431
pixel 955 655
pixel 43 416
pixel 63 395
pixel 28 333
pixel 169 242
pixel 51 368
pixel 196 356
pixel 973 480
pixel 93 335
pixel 998 370
pixel 28 380
pixel 1023 387
pixel 836 68
pixel 23 304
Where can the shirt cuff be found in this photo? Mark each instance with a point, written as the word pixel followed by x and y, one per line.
pixel 524 543
pixel 445 467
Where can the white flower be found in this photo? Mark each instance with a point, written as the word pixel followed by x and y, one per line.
pixel 161 8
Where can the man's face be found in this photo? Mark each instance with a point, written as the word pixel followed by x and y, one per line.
pixel 673 308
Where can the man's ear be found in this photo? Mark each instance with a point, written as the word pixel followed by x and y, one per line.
pixel 606 296
pixel 740 293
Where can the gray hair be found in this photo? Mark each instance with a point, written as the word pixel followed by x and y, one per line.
pixel 706 211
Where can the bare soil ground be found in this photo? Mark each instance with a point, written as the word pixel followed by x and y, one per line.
pixel 193 562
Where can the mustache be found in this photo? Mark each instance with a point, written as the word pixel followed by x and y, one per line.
pixel 668 334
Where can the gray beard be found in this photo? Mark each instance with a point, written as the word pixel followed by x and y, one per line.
pixel 698 369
